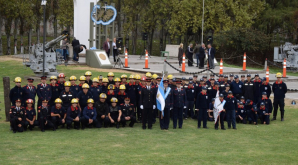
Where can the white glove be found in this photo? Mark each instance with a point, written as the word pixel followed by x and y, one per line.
pixel 141 107
pixel 154 106
pixel 184 107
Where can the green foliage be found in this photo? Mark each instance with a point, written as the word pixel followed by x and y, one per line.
pixel 65 13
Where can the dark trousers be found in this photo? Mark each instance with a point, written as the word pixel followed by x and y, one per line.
pixel 202 61
pixel 238 120
pixel 105 121
pixel 85 122
pixel 178 115
pixel 165 121
pixel 220 120
pixel 180 62
pixel 76 124
pixel 281 104
pixel 202 115
pixel 57 121
pixel 14 124
pixel 190 60
pixel 115 118
pixel 198 60
pixel 237 95
pixel 253 117
pixel 115 54
pixel 43 124
pixel 147 117
pixel 64 53
pixel 75 56
pixel 211 62
pixel 231 118
pixel 132 121
pixel 108 53
pixel 264 118
pixel 155 113
pixel 35 123
pixel 189 109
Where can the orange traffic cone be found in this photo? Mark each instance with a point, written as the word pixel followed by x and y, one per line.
pixel 267 75
pixel 284 72
pixel 244 62
pixel 183 63
pixel 126 59
pixel 146 60
pixel 221 67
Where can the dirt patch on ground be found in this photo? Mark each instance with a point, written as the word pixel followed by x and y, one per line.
pixel 8 58
pixel 84 67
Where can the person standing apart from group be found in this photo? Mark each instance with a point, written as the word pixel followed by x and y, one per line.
pixel 190 55
pixel 202 56
pixel 64 50
pixel 211 54
pixel 115 50
pixel 180 54
pixel 106 47
pixel 75 43
pixel 197 52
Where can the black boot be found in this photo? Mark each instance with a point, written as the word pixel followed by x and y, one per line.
pixel 282 115
pixel 274 118
pixel 117 126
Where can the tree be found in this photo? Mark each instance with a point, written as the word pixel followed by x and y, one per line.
pixel 65 13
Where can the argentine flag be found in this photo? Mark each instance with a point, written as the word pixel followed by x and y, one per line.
pixel 160 97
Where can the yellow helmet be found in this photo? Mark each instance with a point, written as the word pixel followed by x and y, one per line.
pixel 122 87
pixel 123 76
pixel 138 77
pixel 90 101
pixel 170 77
pixel 114 100
pixel 111 74
pixel 95 80
pixel 117 79
pixel 85 85
pixel 53 78
pixel 105 80
pixel 88 73
pixel 67 84
pixel 148 74
pixel 18 79
pixel 111 86
pixel 154 76
pixel 74 101
pixel 82 78
pixel 132 76
pixel 58 100
pixel 103 96
pixel 278 75
pixel 72 78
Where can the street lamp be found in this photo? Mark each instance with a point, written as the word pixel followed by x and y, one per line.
pixel 43 3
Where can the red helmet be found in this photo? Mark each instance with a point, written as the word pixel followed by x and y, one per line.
pixel 61 75
pixel 29 101
pixel 143 78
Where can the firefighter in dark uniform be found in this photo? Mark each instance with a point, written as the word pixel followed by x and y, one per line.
pixel 111 77
pixel 89 115
pixel 121 95
pixel 16 92
pixel 29 91
pixel 102 109
pixel 111 93
pixel 179 103
pixel 17 116
pixel 265 87
pixel 123 79
pixel 128 112
pixel 73 115
pixel 263 113
pixel 58 113
pixel 257 88
pixel 241 114
pixel 248 89
pixel 147 103
pixel 226 91
pixel 221 115
pixel 208 82
pixel 279 88
pixel 232 78
pixel 237 87
pixel 220 79
pixel 242 78
pixel 115 113
pixel 131 89
pixel 95 89
pixel 230 108
pixel 44 114
pixel 56 90
pixel 83 97
pixel 165 118
pixel 190 95
pixel 202 104
pixel 44 91
pixel 74 88
pixel 88 75
pixel 212 89
pixel 222 86
pixel 30 115
pixel 268 104
pixel 117 84
pixel 82 82
pixel 61 81
pixel 66 96
pixel 104 87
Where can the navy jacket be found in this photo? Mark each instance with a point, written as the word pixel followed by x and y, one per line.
pixel 96 91
pixel 179 98
pixel 90 113
pixel 212 52
pixel 241 111
pixel 237 88
pixel 266 88
pixel 190 93
pixel 169 99
pixel 279 90
pixel 202 101
pixel 29 94
pixel 44 93
pixel 72 113
pixel 83 98
pixel 268 104
pixel 231 104
pixel 30 113
pixel 75 90
pixel 16 93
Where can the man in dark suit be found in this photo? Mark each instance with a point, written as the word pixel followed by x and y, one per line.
pixel 190 55
pixel 75 43
pixel 147 103
pixel 202 56
pixel 197 52
pixel 106 47
pixel 211 54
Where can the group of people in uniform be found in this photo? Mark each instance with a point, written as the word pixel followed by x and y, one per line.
pixel 114 102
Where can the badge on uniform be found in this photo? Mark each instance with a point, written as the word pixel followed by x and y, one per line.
pixel 265 88
pixel 77 88
pixel 56 89
pixel 240 86
pixel 130 109
pixel 233 101
pixel 48 89
pixel 193 91
pixel 92 113
pixel 206 97
pixel 21 112
pixel 21 93
pixel 97 90
pixel 60 112
pixel 242 111
pixel 280 87
pixel 31 113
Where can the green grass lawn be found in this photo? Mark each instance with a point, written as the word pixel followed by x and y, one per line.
pixel 249 144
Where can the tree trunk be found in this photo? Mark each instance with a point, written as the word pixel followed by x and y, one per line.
pixel 161 40
pixel 38 32
pixel 30 36
pixel 15 32
pixel 151 41
pixel 8 24
pixel 55 27
pixel 119 18
pixel 1 48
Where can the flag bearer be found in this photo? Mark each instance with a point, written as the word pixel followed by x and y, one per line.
pixel 165 118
